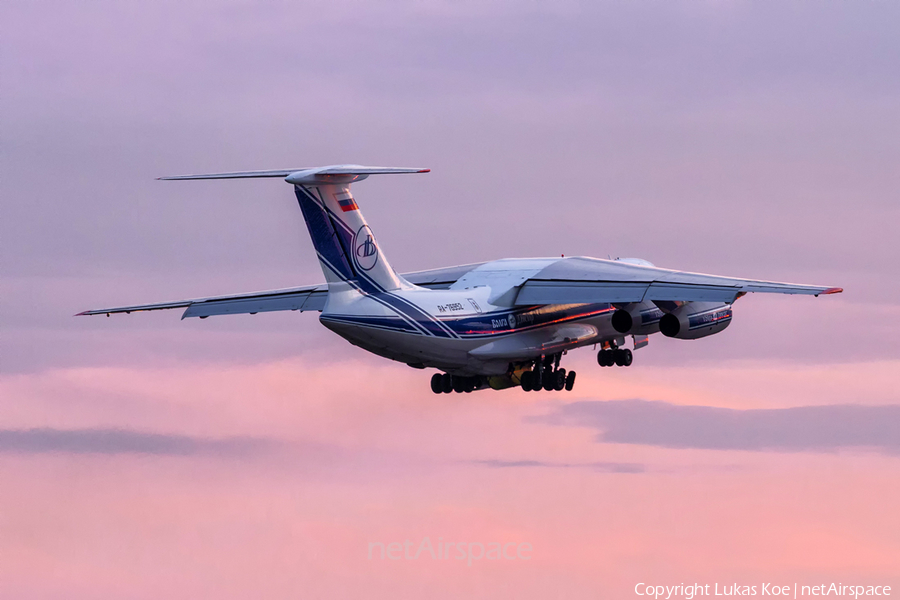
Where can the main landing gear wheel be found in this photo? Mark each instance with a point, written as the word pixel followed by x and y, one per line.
pixel 532 381
pixel 549 380
pixel 559 380
pixel 605 358
pixel 526 381
pixel 621 357
pixel 446 383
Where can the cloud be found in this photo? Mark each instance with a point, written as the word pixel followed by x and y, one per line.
pixel 604 467
pixel 800 429
pixel 122 441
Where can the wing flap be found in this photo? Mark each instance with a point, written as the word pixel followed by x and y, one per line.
pixel 691 292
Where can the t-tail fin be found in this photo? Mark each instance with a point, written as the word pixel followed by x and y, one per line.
pixel 344 242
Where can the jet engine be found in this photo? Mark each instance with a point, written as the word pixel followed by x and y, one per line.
pixel 637 318
pixel 693 320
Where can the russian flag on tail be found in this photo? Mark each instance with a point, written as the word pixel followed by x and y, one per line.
pixel 346 201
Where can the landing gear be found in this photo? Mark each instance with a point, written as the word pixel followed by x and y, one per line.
pixel 543 373
pixel 570 381
pixel 445 383
pixel 527 378
pixel 532 381
pixel 547 375
pixel 605 358
pixel 621 357
pixel 550 382
pixel 559 380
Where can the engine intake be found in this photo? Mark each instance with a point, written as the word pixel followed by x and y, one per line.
pixel 637 318
pixel 694 320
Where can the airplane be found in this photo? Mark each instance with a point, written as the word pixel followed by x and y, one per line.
pixel 490 325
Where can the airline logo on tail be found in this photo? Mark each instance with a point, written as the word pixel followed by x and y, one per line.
pixel 365 249
pixel 346 201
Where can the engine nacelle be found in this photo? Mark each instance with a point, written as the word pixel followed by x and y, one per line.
pixel 694 320
pixel 637 318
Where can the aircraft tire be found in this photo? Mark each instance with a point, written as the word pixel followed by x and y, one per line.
pixel 447 383
pixel 619 357
pixel 549 381
pixel 469 385
pixel 536 383
pixel 437 384
pixel 560 380
pixel 570 381
pixel 627 358
pixel 605 358
pixel 526 381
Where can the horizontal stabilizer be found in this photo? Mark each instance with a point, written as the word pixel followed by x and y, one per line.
pixel 234 175
pixel 302 172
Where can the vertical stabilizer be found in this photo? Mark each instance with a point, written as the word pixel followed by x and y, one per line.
pixel 347 249
pixel 344 242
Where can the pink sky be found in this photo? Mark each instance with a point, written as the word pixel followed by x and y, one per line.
pixel 259 456
pixel 343 469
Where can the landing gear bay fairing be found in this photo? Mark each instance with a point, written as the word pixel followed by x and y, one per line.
pixel 493 325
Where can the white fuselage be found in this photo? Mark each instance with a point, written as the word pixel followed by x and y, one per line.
pixel 473 328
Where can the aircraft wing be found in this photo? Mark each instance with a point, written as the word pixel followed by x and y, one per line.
pixel 587 280
pixel 300 298
pixel 439 279
pixel 305 298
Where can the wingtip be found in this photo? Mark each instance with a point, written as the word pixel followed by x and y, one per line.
pixel 834 290
pixel 424 171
